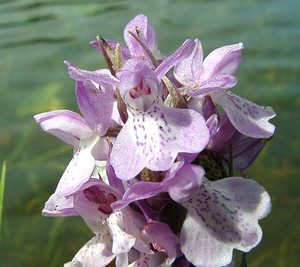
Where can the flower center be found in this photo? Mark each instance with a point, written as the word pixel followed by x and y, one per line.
pixel 141 89
pixel 102 198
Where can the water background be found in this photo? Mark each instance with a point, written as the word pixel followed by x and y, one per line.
pixel 37 35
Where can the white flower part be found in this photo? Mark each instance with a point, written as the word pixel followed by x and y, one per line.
pixel 223 216
pixel 73 264
pixel 150 260
pixel 122 241
pixel 248 118
pixel 100 171
pixel 57 206
pixel 95 253
pixel 79 169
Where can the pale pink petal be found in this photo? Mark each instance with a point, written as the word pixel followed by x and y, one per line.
pixel 97 252
pixel 216 83
pixel 59 206
pixel 223 60
pixel 248 118
pixel 184 182
pixel 154 138
pixel 162 239
pixel 223 216
pixel 79 169
pixel 102 77
pixel 146 34
pixel 149 260
pixel 92 201
pixel 189 69
pixel 122 241
pixel 66 125
pixel 178 56
pixel 95 106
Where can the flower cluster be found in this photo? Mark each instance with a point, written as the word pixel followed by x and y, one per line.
pixel 155 148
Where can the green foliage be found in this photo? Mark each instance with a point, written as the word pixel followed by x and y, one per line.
pixel 2 188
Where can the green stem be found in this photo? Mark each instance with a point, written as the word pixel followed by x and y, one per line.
pixel 243 260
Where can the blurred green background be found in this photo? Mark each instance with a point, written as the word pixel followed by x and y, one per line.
pixel 37 35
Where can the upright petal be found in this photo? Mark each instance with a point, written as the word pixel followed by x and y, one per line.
pixel 223 215
pixel 189 69
pixel 248 118
pixel 66 125
pixel 178 56
pixel 140 25
pixel 95 106
pixel 223 60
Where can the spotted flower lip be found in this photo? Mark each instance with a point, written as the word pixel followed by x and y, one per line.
pixel 151 127
pixel 221 216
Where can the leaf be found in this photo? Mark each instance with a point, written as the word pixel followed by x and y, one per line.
pixel 2 186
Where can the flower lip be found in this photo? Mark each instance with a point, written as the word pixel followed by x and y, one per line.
pixel 102 198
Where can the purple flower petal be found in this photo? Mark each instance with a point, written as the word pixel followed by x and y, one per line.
pixel 244 150
pixel 59 206
pixel 188 70
pixel 217 82
pixel 184 182
pixel 122 240
pixel 214 73
pixel 223 60
pixel 66 125
pixel 139 191
pixel 102 77
pixel 248 118
pixel 95 106
pixel 138 84
pixel 79 169
pixel 221 216
pixel 162 239
pixel 92 201
pixel 175 58
pixel 145 32
pixel 153 139
pixel 224 133
pixel 147 260
pixel 97 252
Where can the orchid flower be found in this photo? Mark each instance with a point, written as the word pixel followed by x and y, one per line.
pixel 117 233
pixel 83 133
pixel 153 134
pixel 213 76
pixel 151 154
